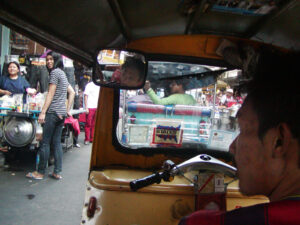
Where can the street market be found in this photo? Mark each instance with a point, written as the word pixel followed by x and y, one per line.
pixel 19 112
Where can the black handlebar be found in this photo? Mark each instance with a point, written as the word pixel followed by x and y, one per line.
pixel 146 181
pixel 197 163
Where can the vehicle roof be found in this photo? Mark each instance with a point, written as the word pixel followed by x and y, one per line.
pixel 77 28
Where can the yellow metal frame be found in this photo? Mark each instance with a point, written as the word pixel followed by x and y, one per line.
pixel 104 153
pixel 163 203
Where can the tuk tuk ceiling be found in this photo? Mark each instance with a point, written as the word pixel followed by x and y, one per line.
pixel 77 28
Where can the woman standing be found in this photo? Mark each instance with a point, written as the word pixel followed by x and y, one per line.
pixel 53 115
pixel 14 84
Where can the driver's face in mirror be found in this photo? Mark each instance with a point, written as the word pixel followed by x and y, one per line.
pixel 132 72
pixel 121 68
pixel 130 77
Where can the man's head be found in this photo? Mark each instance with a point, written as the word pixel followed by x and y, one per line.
pixel 229 92
pixel 178 87
pixel 132 72
pixel 266 151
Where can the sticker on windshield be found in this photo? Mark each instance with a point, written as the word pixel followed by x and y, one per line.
pixel 138 134
pixel 220 139
pixel 168 133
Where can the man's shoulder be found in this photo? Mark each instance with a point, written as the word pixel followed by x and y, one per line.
pixel 282 212
pixel 95 87
pixel 89 85
pixel 189 98
pixel 279 212
pixel 204 217
pixel 249 215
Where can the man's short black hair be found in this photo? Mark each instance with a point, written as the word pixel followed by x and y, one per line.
pixel 135 63
pixel 274 91
pixel 183 82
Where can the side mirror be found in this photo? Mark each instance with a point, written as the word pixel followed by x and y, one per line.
pixel 120 69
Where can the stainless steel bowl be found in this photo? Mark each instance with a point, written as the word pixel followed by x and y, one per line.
pixel 19 132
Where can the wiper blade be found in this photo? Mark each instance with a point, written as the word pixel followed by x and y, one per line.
pixel 197 75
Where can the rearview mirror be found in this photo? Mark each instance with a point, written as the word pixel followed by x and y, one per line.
pixel 120 69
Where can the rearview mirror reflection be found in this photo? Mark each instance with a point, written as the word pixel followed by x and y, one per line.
pixel 120 69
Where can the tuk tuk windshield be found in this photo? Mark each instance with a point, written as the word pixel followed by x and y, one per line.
pixel 181 105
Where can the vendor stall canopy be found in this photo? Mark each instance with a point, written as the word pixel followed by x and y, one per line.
pixel 77 28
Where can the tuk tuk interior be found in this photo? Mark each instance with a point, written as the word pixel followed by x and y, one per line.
pixel 185 33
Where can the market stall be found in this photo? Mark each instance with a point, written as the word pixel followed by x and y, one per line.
pixel 20 128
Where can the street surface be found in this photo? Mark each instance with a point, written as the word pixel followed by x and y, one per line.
pixel 48 201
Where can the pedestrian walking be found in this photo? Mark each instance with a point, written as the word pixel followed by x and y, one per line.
pixel 91 95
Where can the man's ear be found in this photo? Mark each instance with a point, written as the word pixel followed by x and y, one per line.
pixel 282 141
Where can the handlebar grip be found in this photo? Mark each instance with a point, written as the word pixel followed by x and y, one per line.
pixel 145 181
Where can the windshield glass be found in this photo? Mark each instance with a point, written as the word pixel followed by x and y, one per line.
pixel 183 106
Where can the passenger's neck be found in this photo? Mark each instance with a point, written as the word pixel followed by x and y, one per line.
pixel 289 187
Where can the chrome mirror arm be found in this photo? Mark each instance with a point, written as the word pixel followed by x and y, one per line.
pixel 206 163
pixel 170 169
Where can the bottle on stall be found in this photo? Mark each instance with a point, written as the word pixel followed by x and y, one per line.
pixel 25 108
